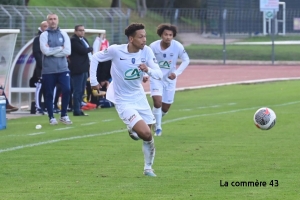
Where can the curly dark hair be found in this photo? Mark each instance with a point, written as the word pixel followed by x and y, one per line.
pixel 132 28
pixel 162 27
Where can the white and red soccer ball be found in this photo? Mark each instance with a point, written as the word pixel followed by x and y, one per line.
pixel 264 118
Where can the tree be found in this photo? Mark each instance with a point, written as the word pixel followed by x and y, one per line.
pixel 12 2
pixel 141 7
pixel 116 4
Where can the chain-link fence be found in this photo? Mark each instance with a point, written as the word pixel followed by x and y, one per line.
pixel 238 21
pixel 28 19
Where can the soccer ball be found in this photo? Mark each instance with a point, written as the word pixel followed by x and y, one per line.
pixel 133 134
pixel 264 118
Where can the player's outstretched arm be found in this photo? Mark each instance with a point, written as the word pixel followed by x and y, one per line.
pixel 185 61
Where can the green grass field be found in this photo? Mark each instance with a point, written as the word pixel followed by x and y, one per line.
pixel 208 139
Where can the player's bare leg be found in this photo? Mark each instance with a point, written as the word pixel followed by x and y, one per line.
pixel 165 108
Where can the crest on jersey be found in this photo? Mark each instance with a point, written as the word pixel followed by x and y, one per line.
pixel 164 55
pixel 60 39
pixel 143 60
pixel 133 60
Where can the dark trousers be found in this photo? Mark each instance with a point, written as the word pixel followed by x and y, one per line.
pixel 50 81
pixel 78 85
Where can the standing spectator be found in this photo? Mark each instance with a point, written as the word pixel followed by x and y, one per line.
pixel 100 43
pixel 37 54
pixel 104 43
pixel 167 50
pixel 126 90
pixel 97 43
pixel 79 67
pixel 103 70
pixel 56 46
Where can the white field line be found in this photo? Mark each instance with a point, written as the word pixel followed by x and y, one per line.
pixel 87 124
pixel 204 107
pixel 236 83
pixel 108 120
pixel 118 131
pixel 57 140
pixel 39 133
pixel 65 128
pixel 225 112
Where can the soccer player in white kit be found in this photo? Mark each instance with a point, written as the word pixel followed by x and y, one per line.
pixel 129 63
pixel 167 50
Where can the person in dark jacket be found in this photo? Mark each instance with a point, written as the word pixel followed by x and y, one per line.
pixel 36 80
pixel 79 67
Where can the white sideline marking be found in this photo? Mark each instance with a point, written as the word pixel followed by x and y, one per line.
pixel 61 129
pixel 118 131
pixel 36 133
pixel 57 140
pixel 187 109
pixel 214 106
pixel 90 123
pixel 231 104
pixel 236 83
pixel 108 120
pixel 225 112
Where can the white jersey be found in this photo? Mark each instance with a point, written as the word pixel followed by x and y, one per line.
pixel 167 58
pixel 126 75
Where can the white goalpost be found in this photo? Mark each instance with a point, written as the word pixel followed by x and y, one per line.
pixel 8 38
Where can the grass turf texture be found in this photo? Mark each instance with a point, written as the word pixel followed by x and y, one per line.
pixel 208 136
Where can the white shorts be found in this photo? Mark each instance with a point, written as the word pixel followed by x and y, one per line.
pixel 166 89
pixel 131 113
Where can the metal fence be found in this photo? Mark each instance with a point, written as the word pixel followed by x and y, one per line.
pixel 238 21
pixel 28 19
pixel 114 20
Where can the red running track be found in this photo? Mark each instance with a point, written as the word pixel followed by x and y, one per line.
pixel 201 75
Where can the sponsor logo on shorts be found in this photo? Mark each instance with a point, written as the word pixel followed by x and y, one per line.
pixel 131 118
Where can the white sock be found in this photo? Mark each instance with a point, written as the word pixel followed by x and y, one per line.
pixel 158 115
pixel 149 153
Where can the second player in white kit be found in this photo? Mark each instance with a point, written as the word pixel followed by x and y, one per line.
pixel 167 51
